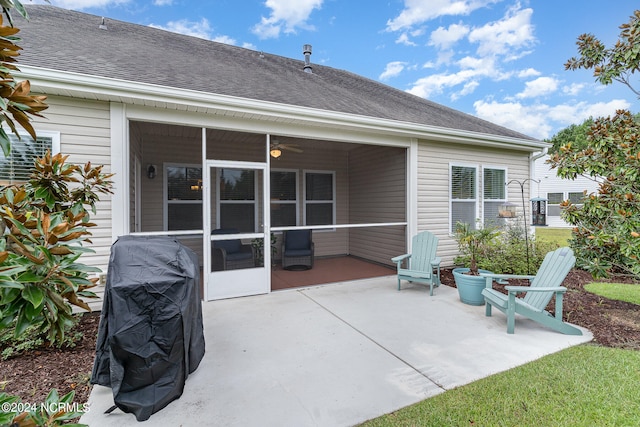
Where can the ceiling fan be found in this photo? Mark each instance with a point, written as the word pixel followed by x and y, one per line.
pixel 277 147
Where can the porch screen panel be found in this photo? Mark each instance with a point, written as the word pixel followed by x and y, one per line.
pixel 494 193
pixel 463 196
pixel 238 199
pixel 184 197
pixel 283 198
pixel 319 198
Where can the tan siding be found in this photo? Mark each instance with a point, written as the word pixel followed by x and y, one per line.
pixel 84 128
pixel 377 194
pixel 433 184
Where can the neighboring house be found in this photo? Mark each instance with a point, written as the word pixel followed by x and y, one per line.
pixel 203 135
pixel 548 185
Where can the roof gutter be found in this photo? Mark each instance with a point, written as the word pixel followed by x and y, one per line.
pixel 43 79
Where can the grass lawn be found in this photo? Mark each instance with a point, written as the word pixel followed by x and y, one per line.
pixel 553 235
pixel 584 385
pixel 617 291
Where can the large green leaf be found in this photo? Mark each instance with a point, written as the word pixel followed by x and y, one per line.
pixel 30 277
pixel 34 295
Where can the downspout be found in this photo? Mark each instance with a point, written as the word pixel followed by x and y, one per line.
pixel 532 166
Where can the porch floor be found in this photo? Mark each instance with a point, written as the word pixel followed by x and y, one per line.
pixel 337 355
pixel 327 270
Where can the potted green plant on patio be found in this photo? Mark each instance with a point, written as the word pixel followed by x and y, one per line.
pixel 471 243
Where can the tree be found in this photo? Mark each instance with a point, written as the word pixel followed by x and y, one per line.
pixel 16 101
pixel 606 233
pixel 613 64
pixel 575 134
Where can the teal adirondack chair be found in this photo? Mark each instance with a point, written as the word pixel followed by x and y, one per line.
pixel 544 285
pixel 422 265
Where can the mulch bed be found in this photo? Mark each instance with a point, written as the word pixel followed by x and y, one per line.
pixel 33 374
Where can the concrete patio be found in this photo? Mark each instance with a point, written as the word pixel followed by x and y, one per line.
pixel 338 355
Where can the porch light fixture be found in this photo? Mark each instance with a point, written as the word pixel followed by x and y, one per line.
pixel 275 153
pixel 151 171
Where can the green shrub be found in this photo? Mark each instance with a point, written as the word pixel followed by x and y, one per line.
pixel 33 338
pixel 507 254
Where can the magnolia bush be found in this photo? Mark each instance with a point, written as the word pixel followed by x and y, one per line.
pixel 46 224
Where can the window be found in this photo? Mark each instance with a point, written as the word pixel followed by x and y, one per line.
pixel 494 193
pixel 284 201
pixel 17 167
pixel 576 198
pixel 319 198
pixel 553 203
pixel 184 197
pixel 463 195
pixel 237 199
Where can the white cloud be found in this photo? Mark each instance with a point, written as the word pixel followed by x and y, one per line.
pixel 200 28
pixel 573 89
pixel 86 4
pixel 418 11
pixel 506 37
pixel 540 120
pixel 225 40
pixel 539 87
pixel 404 39
pixel 162 2
pixel 436 83
pixel 393 69
pixel 529 72
pixel 287 16
pixel 444 38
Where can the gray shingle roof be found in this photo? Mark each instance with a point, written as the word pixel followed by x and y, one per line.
pixel 71 41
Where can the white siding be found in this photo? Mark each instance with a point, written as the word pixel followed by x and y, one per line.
pixel 551 183
pixel 85 136
pixel 434 159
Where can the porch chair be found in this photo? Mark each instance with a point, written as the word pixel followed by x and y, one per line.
pixel 297 249
pixel 422 265
pixel 544 285
pixel 230 254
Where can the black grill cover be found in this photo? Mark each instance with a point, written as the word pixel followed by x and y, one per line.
pixel 150 336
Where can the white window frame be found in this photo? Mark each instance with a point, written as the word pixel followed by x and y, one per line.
pixel 476 200
pixel 306 202
pixel 295 202
pixel 505 189
pixel 554 205
pixel 55 140
pixel 166 202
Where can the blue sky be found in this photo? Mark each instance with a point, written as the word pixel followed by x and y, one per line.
pixel 501 60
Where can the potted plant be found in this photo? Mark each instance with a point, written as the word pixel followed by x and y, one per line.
pixel 471 243
pixel 258 246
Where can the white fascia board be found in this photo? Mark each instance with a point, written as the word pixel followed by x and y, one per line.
pixel 117 88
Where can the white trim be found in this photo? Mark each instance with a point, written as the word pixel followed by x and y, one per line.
pixel 127 91
pixel 411 180
pixel 119 133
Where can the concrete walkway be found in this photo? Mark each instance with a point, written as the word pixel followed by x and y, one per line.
pixel 338 355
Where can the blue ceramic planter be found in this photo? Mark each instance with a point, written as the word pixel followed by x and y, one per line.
pixel 470 287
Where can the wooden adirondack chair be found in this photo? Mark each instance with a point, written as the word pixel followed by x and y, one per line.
pixel 544 285
pixel 422 266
